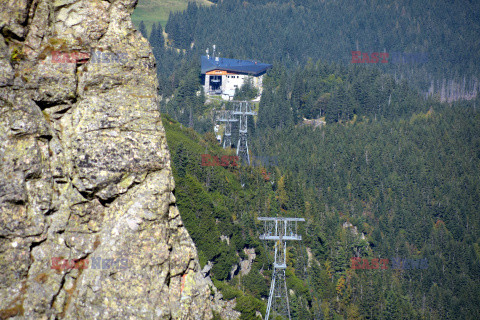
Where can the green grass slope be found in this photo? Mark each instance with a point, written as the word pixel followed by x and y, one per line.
pixel 154 11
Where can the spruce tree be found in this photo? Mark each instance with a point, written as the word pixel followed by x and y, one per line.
pixel 157 40
pixel 143 30
pixel 153 37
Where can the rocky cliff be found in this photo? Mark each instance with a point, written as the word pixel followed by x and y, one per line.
pixel 89 227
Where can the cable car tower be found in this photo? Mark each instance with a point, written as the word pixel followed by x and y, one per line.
pixel 241 111
pixel 227 117
pixel 280 230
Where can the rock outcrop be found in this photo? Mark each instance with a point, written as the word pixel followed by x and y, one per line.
pixel 246 265
pixel 89 227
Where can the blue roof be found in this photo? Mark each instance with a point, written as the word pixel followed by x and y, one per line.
pixel 234 65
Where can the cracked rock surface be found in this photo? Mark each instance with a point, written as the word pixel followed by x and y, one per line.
pixel 85 172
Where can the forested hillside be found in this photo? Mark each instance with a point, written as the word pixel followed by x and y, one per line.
pixel 337 93
pixel 291 32
pixel 411 194
pixel 378 168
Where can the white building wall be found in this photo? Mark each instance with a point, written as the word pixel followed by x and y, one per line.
pixel 233 81
pixel 236 81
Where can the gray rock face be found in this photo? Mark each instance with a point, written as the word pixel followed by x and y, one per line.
pixel 88 223
pixel 246 265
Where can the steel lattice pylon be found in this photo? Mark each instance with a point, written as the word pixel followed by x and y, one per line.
pixel 242 109
pixel 278 296
pixel 280 230
pixel 227 117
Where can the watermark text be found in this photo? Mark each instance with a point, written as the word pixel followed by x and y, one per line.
pixel 59 263
pixel 224 161
pixel 395 57
pixel 358 263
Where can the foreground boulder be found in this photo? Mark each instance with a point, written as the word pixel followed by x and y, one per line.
pixel 88 223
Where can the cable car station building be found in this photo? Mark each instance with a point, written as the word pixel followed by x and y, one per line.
pixel 222 76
